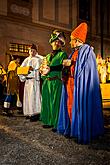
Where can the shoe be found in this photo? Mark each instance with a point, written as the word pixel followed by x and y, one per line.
pixel 32 119
pixel 27 117
pixel 54 130
pixel 38 116
pixel 47 126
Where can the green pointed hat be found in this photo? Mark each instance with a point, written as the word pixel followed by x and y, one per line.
pixel 57 35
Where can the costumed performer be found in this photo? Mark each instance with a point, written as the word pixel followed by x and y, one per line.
pixel 51 71
pixel 80 113
pixel 32 94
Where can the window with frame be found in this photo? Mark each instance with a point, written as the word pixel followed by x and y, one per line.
pixel 23 48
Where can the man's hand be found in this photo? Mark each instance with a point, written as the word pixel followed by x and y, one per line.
pixel 45 70
pixel 66 62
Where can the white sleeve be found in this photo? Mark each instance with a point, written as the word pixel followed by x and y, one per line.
pixel 41 57
pixel 38 63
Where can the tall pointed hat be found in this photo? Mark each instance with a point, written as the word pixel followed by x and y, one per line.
pixel 80 32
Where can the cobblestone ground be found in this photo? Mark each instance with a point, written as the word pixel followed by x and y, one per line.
pixel 27 143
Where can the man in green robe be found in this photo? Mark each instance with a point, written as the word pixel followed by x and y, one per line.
pixel 51 71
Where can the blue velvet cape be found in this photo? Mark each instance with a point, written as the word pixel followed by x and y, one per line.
pixel 87 117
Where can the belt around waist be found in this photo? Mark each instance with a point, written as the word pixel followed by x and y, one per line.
pixel 53 78
pixel 28 78
pixel 31 78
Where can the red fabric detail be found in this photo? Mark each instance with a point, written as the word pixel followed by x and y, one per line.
pixel 70 85
pixel 70 88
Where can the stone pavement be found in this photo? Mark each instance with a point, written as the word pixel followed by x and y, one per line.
pixel 27 143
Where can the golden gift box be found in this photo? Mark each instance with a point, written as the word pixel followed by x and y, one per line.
pixel 23 70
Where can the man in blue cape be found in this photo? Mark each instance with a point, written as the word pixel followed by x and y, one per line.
pixel 80 113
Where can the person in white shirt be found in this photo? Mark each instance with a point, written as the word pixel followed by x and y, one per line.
pixel 32 94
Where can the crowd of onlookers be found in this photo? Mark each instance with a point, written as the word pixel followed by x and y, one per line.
pixel 103 66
